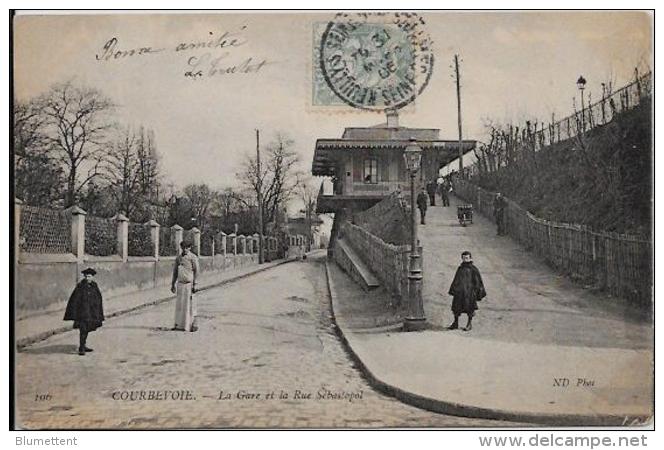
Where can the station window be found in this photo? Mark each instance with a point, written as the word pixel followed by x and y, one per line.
pixel 370 171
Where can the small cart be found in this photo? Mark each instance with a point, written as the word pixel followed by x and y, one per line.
pixel 465 214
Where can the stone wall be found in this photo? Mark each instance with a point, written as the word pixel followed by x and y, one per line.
pixel 44 282
pixel 51 247
pixel 388 220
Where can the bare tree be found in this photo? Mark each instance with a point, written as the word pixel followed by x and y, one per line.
pixel 228 201
pixel 307 192
pixel 201 198
pixel 120 169
pixel 77 122
pixel 37 177
pixel 278 177
pixel 28 128
pixel 148 164
pixel 131 172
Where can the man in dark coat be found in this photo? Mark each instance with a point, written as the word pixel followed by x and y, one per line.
pixel 444 188
pixel 422 203
pixel 467 289
pixel 431 190
pixel 85 308
pixel 499 213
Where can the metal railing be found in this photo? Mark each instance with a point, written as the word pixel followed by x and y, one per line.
pixel 595 114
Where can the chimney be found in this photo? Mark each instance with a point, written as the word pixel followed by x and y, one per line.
pixel 392 118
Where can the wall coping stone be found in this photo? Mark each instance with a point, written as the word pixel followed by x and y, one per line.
pixel 77 211
pixel 46 258
pixel 109 258
pixel 141 258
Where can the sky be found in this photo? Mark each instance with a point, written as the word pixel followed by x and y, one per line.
pixel 514 65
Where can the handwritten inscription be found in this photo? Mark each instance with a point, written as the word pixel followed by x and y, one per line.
pixel 111 51
pixel 227 39
pixel 208 64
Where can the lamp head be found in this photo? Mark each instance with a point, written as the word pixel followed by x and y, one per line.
pixel 412 156
pixel 581 83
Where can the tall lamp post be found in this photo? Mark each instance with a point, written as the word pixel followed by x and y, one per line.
pixel 415 320
pixel 581 84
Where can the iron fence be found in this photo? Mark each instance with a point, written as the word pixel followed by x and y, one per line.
pixel 44 230
pixel 101 236
pixel 140 240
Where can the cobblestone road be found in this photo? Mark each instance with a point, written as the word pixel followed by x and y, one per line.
pixel 269 333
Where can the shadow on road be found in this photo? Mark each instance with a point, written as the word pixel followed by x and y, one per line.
pixel 138 327
pixel 51 349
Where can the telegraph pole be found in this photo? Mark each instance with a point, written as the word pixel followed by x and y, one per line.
pixel 458 90
pixel 259 198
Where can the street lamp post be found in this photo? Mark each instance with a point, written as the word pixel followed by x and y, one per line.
pixel 581 84
pixel 415 320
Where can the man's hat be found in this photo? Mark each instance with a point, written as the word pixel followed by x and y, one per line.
pixel 89 271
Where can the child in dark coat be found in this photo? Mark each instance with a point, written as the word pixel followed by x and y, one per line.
pixel 467 289
pixel 85 308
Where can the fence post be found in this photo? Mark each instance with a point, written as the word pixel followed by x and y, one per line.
pixel 256 245
pixel 608 252
pixel 154 237
pixel 196 234
pixel 233 237
pixel 17 232
pixel 243 244
pixel 78 232
pixel 223 243
pixel 177 237
pixel 123 236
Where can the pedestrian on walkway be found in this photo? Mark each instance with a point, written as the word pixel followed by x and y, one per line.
pixel 499 213
pixel 431 190
pixel 85 307
pixel 185 272
pixel 467 289
pixel 444 193
pixel 422 202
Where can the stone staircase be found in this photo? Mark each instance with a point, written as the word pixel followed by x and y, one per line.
pixel 353 264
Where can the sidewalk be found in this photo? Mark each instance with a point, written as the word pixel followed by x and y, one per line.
pixel 39 327
pixel 527 301
pixel 455 372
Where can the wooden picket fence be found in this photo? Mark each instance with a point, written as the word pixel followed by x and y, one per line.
pixel 387 261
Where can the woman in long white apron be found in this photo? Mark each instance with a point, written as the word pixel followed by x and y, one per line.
pixel 183 285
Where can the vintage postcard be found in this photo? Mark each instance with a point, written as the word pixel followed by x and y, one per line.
pixel 333 220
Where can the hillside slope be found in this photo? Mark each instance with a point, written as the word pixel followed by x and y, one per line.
pixel 604 180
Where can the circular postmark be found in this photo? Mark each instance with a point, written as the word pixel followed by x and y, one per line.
pixel 376 61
